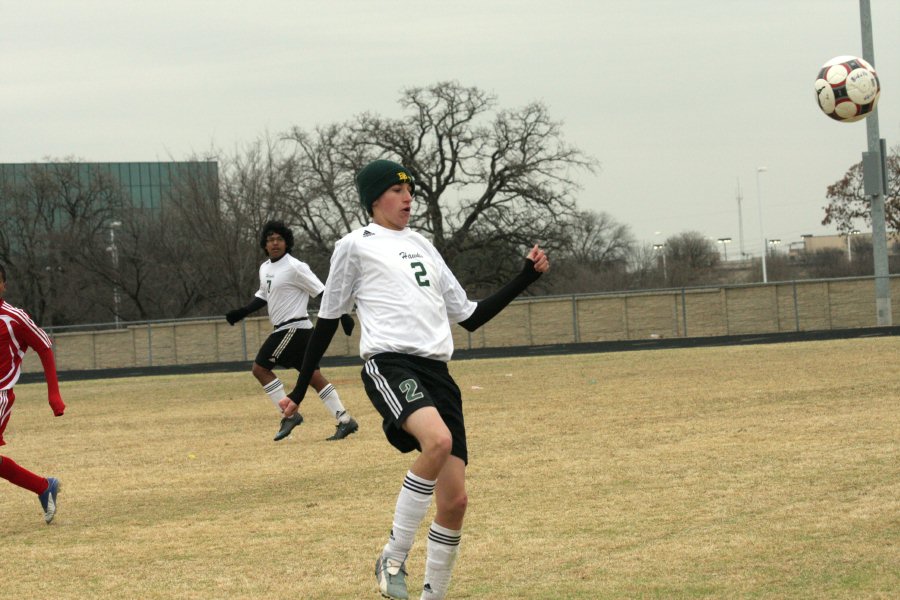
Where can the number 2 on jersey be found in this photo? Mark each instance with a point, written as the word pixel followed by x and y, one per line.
pixel 421 274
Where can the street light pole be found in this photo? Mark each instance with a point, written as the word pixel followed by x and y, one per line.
pixel 114 253
pixel 740 197
pixel 850 244
pixel 725 242
pixel 762 236
pixel 875 184
pixel 661 248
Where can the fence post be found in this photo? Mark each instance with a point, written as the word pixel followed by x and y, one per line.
pixel 530 329
pixel 149 345
pixel 216 338
pixel 175 343
pixel 575 326
pixel 725 310
pixel 684 310
pixel 828 300
pixel 244 336
pixel 796 309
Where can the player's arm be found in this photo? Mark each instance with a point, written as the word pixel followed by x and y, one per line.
pixel 318 343
pixel 233 316
pixel 36 338
pixel 48 361
pixel 341 270
pixel 347 322
pixel 536 263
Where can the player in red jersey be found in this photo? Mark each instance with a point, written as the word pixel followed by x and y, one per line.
pixel 18 333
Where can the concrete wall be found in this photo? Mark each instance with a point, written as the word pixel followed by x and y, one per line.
pixel 700 312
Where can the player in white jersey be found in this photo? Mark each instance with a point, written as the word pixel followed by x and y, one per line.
pixel 406 299
pixel 285 286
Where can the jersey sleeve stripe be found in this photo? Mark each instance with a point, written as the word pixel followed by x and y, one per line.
pixel 22 317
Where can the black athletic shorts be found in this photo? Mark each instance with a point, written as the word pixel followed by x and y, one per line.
pixel 400 384
pixel 284 348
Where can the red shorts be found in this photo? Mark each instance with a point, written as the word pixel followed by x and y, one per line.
pixel 7 398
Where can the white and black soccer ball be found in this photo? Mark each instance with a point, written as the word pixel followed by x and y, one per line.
pixel 847 88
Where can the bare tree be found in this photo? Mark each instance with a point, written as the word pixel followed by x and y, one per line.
pixel 593 254
pixel 323 202
pixel 597 238
pixel 488 180
pixel 847 202
pixel 51 213
pixel 690 258
pixel 221 221
pixel 645 267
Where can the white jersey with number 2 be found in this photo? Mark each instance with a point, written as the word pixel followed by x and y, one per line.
pixel 405 295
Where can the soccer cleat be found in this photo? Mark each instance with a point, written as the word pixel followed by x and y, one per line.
pixel 344 429
pixel 287 426
pixel 48 499
pixel 391 576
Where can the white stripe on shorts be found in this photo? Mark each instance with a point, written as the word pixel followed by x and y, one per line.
pixel 4 407
pixel 284 343
pixel 387 394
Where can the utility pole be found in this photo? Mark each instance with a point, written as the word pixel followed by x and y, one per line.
pixel 740 219
pixel 875 183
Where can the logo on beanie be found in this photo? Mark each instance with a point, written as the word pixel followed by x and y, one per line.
pixel 402 176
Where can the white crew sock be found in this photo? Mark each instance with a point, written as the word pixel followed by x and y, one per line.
pixel 412 504
pixel 443 546
pixel 332 402
pixel 275 390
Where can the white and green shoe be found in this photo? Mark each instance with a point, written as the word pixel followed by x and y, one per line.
pixel 391 576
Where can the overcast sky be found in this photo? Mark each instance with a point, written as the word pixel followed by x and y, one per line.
pixel 680 101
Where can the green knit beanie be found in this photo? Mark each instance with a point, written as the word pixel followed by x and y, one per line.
pixel 377 176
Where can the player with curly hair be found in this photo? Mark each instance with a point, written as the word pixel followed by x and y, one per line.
pixel 286 285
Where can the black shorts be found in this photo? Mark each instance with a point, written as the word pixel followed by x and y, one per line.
pixel 284 348
pixel 400 384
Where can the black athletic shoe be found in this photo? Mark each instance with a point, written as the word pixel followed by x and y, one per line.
pixel 287 426
pixel 344 429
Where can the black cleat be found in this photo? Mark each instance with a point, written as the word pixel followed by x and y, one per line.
pixel 287 426
pixel 344 429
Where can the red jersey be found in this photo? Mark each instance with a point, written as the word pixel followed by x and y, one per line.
pixel 18 333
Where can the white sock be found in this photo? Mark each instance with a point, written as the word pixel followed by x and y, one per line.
pixel 443 546
pixel 275 390
pixel 332 402
pixel 412 504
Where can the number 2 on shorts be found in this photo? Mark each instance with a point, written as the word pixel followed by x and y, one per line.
pixel 411 389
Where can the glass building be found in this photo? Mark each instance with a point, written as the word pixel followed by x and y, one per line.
pixel 148 184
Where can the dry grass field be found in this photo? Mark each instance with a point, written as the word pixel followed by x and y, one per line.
pixel 768 471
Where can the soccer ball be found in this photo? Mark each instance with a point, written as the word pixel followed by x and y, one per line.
pixel 847 88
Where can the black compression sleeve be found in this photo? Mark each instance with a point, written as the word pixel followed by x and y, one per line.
pixel 315 350
pixel 233 316
pixel 488 308
pixel 255 304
